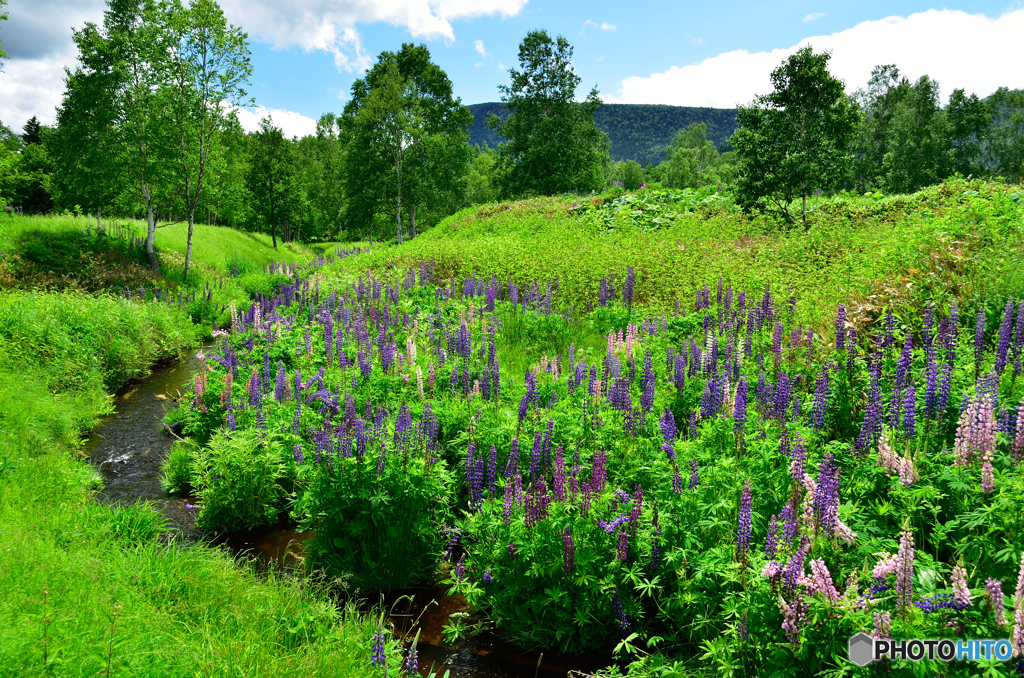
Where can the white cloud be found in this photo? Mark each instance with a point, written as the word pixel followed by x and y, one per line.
pixel 330 25
pixel 604 26
pixel 699 40
pixel 958 49
pixel 479 46
pixel 32 87
pixel 815 15
pixel 293 124
pixel 599 57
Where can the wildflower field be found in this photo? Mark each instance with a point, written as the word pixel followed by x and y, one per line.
pixel 713 477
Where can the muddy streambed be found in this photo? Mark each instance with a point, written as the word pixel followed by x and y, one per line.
pixel 128 448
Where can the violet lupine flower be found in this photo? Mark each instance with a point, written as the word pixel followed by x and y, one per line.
pixel 797 461
pixel 740 409
pixel 777 343
pixel 994 593
pixel 297 453
pixel 535 456
pixel 668 427
pixel 883 621
pixel 1005 335
pixel 771 544
pixel 826 494
pixel 793 615
pixel 794 569
pixel 492 471
pixel 903 365
pixel 979 339
pixel 537 502
pixel 961 592
pixel 841 328
pixel 281 386
pixel 598 476
pixel 781 397
pixel 909 410
pixel 694 475
pixel 412 664
pixel 568 552
pixel 629 287
pixel 743 529
pixel 647 396
pixel 620 613
pixel 905 570
pixel 622 548
pixel 459 571
pixel 820 399
pixel 677 480
pixel 377 656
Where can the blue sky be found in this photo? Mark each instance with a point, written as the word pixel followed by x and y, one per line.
pixel 306 53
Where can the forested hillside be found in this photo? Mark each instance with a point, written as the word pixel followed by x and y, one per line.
pixel 638 132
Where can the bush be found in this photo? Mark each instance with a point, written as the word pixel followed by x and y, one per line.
pixel 376 518
pixel 239 478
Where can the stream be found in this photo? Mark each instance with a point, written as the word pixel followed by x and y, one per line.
pixel 128 448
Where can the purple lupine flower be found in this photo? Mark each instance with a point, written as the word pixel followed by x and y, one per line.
pixel 668 427
pixel 909 411
pixel 795 567
pixel 740 409
pixel 905 570
pixel 412 664
pixel 772 542
pixel 459 571
pixel 629 287
pixel 281 386
pixel 1005 336
pixel 777 344
pixel 820 400
pixel 743 529
pixel 797 461
pixel 931 389
pixel 549 434
pixel 694 475
pixel 979 339
pixel 535 455
pixel 782 394
pixel 492 471
pixel 994 591
pixel 598 476
pixel 903 365
pixel 822 582
pixel 558 477
pixel 826 494
pixel 793 615
pixel 377 656
pixel 537 502
pixel 883 620
pixel 841 328
pixel 622 548
pixel 677 480
pixel 620 613
pixel 297 453
pixel 568 552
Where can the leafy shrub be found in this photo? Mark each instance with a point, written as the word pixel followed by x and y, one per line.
pixel 376 519
pixel 177 467
pixel 239 478
pixel 132 524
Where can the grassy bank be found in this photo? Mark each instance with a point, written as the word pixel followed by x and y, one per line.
pixel 87 589
pixel 961 238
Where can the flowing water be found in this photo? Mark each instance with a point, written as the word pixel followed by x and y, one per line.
pixel 128 448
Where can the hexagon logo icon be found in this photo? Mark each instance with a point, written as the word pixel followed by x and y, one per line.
pixel 861 648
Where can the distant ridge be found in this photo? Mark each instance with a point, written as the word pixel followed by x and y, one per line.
pixel 637 131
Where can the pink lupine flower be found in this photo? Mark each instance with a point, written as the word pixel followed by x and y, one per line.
pixel 882 625
pixel 961 593
pixel 884 567
pixel 821 581
pixel 976 432
pixel 905 569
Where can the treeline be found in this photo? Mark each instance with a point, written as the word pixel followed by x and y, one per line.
pixel 640 132
pixel 160 140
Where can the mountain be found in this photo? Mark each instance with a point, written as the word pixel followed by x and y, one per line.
pixel 638 132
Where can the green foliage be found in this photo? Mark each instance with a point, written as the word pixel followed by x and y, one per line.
pixel 407 144
pixel 552 145
pixel 795 140
pixel 177 468
pixel 271 177
pixel 239 477
pixel 917 146
pixel 376 521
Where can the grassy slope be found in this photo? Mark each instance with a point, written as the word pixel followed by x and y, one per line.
pixel 68 562
pixel 220 247
pixel 960 237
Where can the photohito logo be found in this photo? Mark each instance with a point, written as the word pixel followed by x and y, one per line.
pixel 864 649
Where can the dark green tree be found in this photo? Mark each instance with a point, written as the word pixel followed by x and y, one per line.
pixel 208 68
pixel 969 122
pixel 917 141
pixel 690 158
pixel 271 177
pixel 407 144
pixel 886 88
pixel 1006 139
pixel 552 144
pixel 320 169
pixel 796 140
pixel 32 131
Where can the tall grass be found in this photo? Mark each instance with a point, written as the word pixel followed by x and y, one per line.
pixel 88 589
